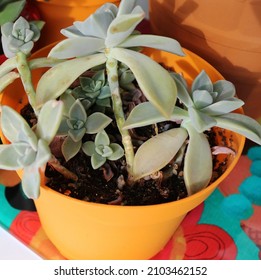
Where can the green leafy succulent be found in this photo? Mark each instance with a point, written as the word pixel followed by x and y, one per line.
pixel 29 149
pixel 205 105
pixel 76 124
pixel 94 90
pixel 19 36
pixel 101 150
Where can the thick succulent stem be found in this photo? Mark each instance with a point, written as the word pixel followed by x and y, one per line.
pixel 112 71
pixel 26 77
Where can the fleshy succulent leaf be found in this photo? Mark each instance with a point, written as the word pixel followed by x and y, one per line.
pixel 225 89
pixel 96 122
pixel 137 115
pixel 70 148
pixel 202 82
pixel 157 152
pixel 161 92
pixel 49 120
pixel 126 7
pixel 43 153
pixel 102 138
pixel 222 107
pixel 198 161
pixel 88 148
pixel 241 124
pixel 117 150
pixel 153 41
pixel 15 128
pixel 47 90
pixel 9 158
pixel 200 121
pixel 182 89
pixel 202 98
pixel 123 26
pixel 76 47
pixel 97 161
pixel 31 182
pixel 77 111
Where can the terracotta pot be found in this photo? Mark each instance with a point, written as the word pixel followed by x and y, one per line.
pixel 84 230
pixel 59 14
pixel 225 33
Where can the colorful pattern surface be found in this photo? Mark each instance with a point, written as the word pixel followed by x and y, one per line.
pixel 207 233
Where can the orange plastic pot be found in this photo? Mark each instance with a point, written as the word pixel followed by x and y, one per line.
pixel 59 14
pixel 225 33
pixel 84 230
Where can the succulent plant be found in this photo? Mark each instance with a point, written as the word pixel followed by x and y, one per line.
pixel 101 149
pixel 205 105
pixel 108 45
pixel 76 124
pixel 94 89
pixel 29 149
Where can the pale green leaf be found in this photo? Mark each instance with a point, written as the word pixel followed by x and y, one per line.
pixel 77 112
pixel 146 114
pixel 200 121
pixel 95 25
pixel 153 41
pixel 118 151
pixel 154 81
pixel 9 158
pixel 104 151
pixel 76 47
pixel 47 89
pixel 225 89
pixel 198 161
pixel 202 98
pixel 77 134
pixel 222 107
pixel 88 148
pixel 68 100
pixel 96 122
pixel 15 128
pixel 102 138
pixel 126 6
pixel 49 120
pixel 123 26
pixel 97 161
pixel 183 94
pixel 157 152
pixel 43 153
pixel 202 82
pixel 31 181
pixel 70 148
pixel 241 124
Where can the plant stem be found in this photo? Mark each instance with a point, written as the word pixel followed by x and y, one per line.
pixel 26 77
pixel 8 79
pixel 112 72
pixel 54 162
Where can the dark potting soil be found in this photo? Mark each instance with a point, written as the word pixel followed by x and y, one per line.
pixel 99 186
